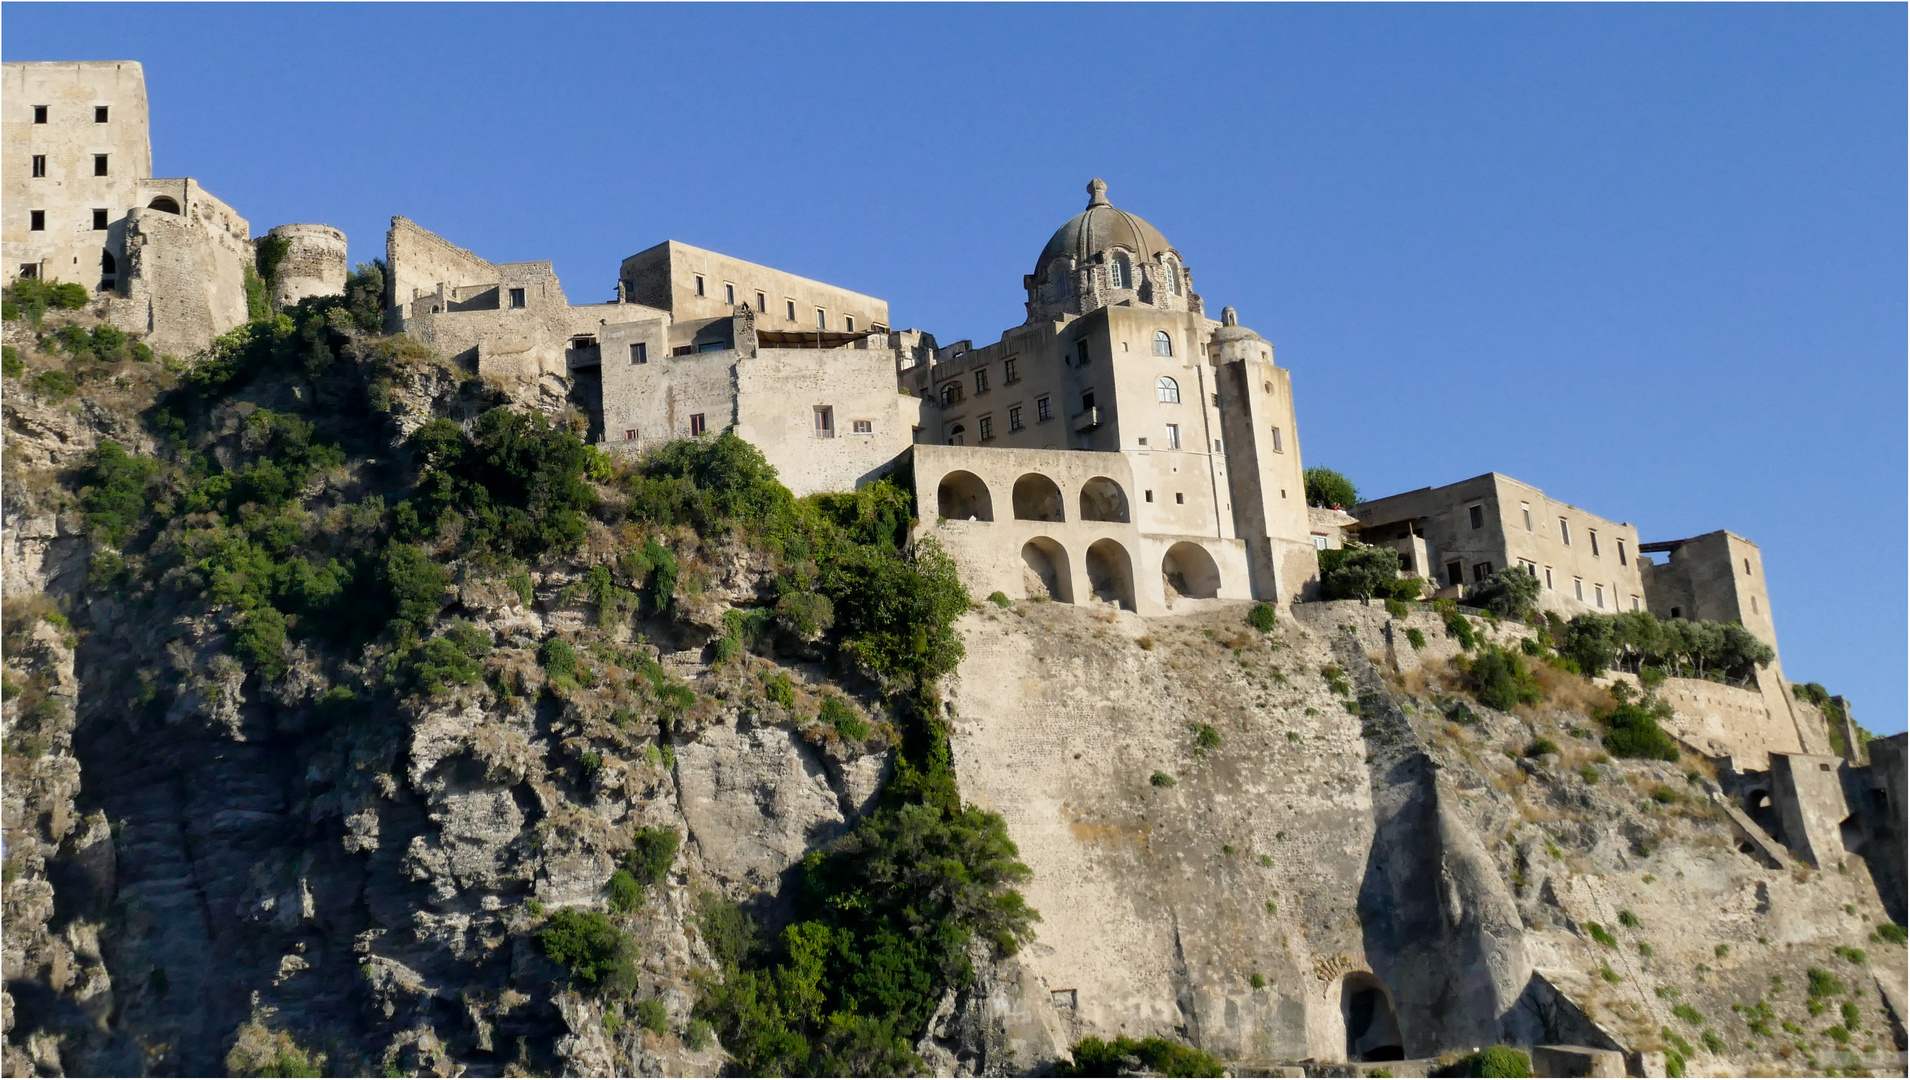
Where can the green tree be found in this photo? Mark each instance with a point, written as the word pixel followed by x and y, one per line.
pixel 1498 679
pixel 1358 572
pixel 598 954
pixel 1327 488
pixel 1510 593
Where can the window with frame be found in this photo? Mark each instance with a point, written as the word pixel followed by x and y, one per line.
pixel 1578 588
pixel 1172 270
pixel 99 220
pixel 1481 571
pixel 1166 389
pixel 517 298
pixel 822 319
pixel 1635 602
pixel 862 427
pixel 629 434
pixel 1180 498
pixel 39 166
pixel 36 220
pixel 849 323
pixel 1081 353
pixel 100 112
pixel 1598 595
pixel 1043 410
pixel 1621 552
pixel 1163 345
pixel 1526 510
pixel 697 426
pixel 1565 534
pixel 1529 567
pixel 1592 536
pixel 1276 442
pixel 39 114
pixel 1548 577
pixel 639 353
pixel 981 382
pixel 951 393
pixel 1014 418
pixel 987 426
pixel 699 284
pixel 729 294
pixel 1173 436
pixel 1455 573
pixel 789 310
pixel 1121 273
pixel 762 304
pixel 825 422
pixel 1008 372
pixel 1476 515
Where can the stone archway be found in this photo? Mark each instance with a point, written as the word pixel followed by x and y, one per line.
pixel 1045 571
pixel 1111 573
pixel 1187 570
pixel 1103 500
pixel 165 204
pixel 1037 499
pixel 1372 1024
pixel 962 496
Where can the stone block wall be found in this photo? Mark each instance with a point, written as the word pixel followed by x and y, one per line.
pixel 315 264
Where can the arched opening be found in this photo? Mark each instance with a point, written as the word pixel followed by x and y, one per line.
pixel 1103 500
pixel 1059 286
pixel 1037 499
pixel 1851 831
pixel 957 434
pixel 1121 273
pixel 1166 389
pixel 1757 802
pixel 961 496
pixel 1173 275
pixel 1372 1027
pixel 165 203
pixel 108 270
pixel 1111 574
pixel 1163 346
pixel 1189 571
pixel 1045 571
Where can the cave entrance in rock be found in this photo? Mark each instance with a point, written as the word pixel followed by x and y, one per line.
pixel 1111 574
pixel 1037 499
pixel 1372 1027
pixel 1187 570
pixel 1045 571
pixel 962 495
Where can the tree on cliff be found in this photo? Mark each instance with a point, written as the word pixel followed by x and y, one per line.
pixel 1327 488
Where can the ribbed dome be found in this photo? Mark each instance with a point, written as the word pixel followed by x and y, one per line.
pixel 1099 228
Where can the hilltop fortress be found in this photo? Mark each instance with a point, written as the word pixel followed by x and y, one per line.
pixel 1120 450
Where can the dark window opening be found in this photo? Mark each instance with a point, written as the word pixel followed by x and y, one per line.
pixel 981 380
pixel 825 422
pixel 1477 515
pixel 39 114
pixel 762 304
pixel 99 219
pixel 1014 418
pixel 99 164
pixel 1008 372
pixel 36 220
pixel 1179 499
pixel 683 350
pixel 1481 571
pixel 639 353
pixel 696 424
pixel 1677 613
pixel 29 270
pixel 1042 409
pixel 99 114
pixel 39 165
pixel 699 284
pixel 629 434
pixel 729 294
pixel 517 298
pixel 1081 353
pixel 987 426
pixel 165 204
pixel 791 306
pixel 1455 574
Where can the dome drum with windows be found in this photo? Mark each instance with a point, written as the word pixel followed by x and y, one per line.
pixel 1103 257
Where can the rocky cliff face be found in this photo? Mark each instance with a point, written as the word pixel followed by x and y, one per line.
pixel 1307 844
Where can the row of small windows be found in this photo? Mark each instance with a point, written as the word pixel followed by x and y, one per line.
pixel 100 113
pixel 1455 575
pixel 102 165
pixel 1476 517
pixel 36 220
pixel 789 307
pixel 1121 274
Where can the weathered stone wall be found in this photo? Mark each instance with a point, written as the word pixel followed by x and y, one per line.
pixel 1728 720
pixel 664 277
pixel 315 264
pixel 417 261
pixel 184 273
pixel 778 392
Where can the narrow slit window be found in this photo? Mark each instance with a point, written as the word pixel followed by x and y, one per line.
pixel 1548 577
pixel 1525 509
pixel 699 284
pixel 789 313
pixel 762 304
pixel 36 220
pixel 822 319
pixel 1621 552
pixel 1277 448
pixel 1476 515
pixel 1598 594
pixel 1565 534
pixel 1592 536
pixel 849 323
pixel 1578 588
pixel 39 165
pixel 729 294
pixel 99 165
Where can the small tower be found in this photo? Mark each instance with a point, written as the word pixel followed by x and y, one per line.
pixel 1264 473
pixel 313 263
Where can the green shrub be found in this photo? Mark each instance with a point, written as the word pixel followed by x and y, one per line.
pixel 1263 617
pixel 1601 935
pixel 259 639
pixel 1206 738
pixel 518 484
pixel 598 955
pixel 113 494
pixel 697 1035
pixel 1712 1042
pixel 1498 1060
pixel 1823 984
pixel 559 658
pixel 624 892
pixel 1628 920
pixel 1688 1014
pixel 841 716
pixel 416 585
pixel 1540 747
pixel 1161 780
pixel 652 1017
pixel 451 659
pixel 652 850
pixel 1459 628
pixel 1855 956
pixel 1357 572
pixel 1416 638
pixel 1326 488
pixel 1000 599
pixel 1632 731
pixel 1257 981
pixel 1160 1057
pixel 520 584
pixel 10 363
pixel 30 298
pixel 1892 933
pixel 1499 680
pixel 1853 1017
pixel 55 385
pixel 1510 593
pixel 1397 608
pixel 779 689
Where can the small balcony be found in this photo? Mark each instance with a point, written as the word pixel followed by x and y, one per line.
pixel 1086 420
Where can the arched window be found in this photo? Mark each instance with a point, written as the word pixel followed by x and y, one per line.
pixel 1173 275
pixel 1167 389
pixel 1120 274
pixel 1163 345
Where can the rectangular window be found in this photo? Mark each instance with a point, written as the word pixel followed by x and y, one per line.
pixel 1481 571
pixel 1754 610
pixel 1525 509
pixel 1634 603
pixel 762 304
pixel 1476 514
pixel 99 164
pixel 639 353
pixel 1008 374
pixel 1455 573
pixel 1014 418
pixel 1087 400
pixel 862 427
pixel 1565 532
pixel 36 220
pixel 1598 592
pixel 39 165
pixel 696 424
pixel 849 323
pixel 1216 446
pixel 1529 567
pixel 1173 436
pixel 31 270
pixel 1276 442
pixel 981 380
pixel 683 350
pixel 1179 499
pixel 1621 552
pixel 699 284
pixel 1592 535
pixel 1548 577
pixel 1578 588
pixel 99 219
pixel 825 422
pixel 1150 495
pixel 517 298
pixel 1042 409
pixel 729 294
pixel 1143 440
pixel 1319 541
pixel 789 307
pixel 988 427
pixel 822 319
pixel 951 393
pixel 1081 353
pixel 99 114
pixel 711 346
pixel 629 434
pixel 39 114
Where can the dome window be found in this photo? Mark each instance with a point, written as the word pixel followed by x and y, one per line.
pixel 1167 390
pixel 1120 273
pixel 1173 275
pixel 1163 346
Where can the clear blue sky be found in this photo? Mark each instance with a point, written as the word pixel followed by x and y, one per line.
pixel 1650 258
